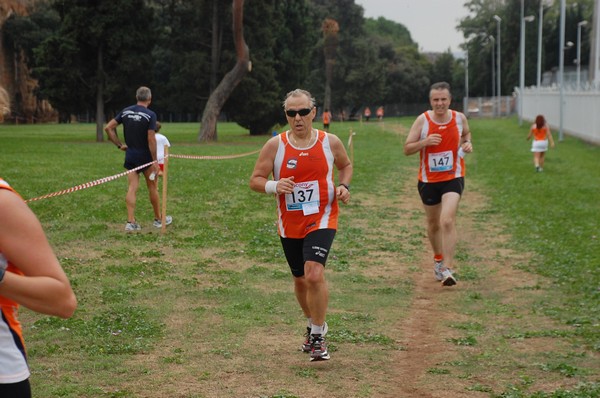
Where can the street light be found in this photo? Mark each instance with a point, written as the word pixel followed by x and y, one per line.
pixel 528 18
pixel 539 54
pixel 492 47
pixel 579 25
pixel 498 41
pixel 561 67
pixel 466 100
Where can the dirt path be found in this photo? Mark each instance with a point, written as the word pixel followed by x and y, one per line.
pixel 425 330
pixel 493 299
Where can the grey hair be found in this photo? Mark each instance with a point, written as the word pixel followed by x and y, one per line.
pixel 143 94
pixel 440 86
pixel 297 93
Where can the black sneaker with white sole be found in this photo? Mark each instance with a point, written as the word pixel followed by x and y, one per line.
pixel 319 348
pixel 307 345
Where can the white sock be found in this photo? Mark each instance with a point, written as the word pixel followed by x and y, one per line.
pixel 316 329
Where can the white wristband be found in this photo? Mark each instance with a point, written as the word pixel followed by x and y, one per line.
pixel 271 187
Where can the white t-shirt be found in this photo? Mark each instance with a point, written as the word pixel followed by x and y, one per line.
pixel 161 142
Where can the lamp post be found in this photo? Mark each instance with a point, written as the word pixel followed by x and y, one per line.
pixel 492 49
pixel 539 54
pixel 528 18
pixel 498 74
pixel 579 25
pixel 466 100
pixel 561 67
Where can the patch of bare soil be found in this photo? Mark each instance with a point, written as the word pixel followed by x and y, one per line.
pixel 261 364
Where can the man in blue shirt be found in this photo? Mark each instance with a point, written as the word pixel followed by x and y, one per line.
pixel 139 131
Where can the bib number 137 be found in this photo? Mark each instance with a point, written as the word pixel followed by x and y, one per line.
pixel 305 197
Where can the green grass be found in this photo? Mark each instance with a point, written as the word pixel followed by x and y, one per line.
pixel 186 304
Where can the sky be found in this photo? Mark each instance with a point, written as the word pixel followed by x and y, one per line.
pixel 431 23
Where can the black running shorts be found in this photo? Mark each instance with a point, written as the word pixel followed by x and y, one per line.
pixel 432 192
pixel 136 157
pixel 314 247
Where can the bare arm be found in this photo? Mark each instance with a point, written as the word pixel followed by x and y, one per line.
pixel 264 168
pixel 44 287
pixel 530 132
pixel 111 132
pixel 152 143
pixel 413 142
pixel 549 135
pixel 344 166
pixel 465 142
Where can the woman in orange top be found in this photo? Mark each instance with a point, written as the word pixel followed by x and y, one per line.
pixel 326 119
pixel 540 131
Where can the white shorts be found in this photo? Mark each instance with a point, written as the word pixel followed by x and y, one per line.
pixel 539 146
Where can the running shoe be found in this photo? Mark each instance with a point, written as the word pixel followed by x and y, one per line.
pixel 158 223
pixel 132 226
pixel 307 345
pixel 447 278
pixel 319 348
pixel 438 266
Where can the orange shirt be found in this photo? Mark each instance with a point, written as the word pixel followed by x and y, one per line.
pixel 13 362
pixel 326 117
pixel 540 134
pixel 442 162
pixel 313 204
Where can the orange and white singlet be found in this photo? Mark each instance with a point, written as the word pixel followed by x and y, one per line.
pixel 445 161
pixel 540 134
pixel 313 204
pixel 13 362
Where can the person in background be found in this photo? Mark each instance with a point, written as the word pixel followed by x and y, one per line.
pixel 540 131
pixel 326 119
pixel 442 137
pixel 302 161
pixel 161 143
pixel 139 130
pixel 367 113
pixel 31 276
pixel 379 113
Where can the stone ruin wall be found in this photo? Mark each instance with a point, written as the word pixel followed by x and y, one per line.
pixel 15 76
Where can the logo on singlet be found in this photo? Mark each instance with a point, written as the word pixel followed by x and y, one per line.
pixel 292 163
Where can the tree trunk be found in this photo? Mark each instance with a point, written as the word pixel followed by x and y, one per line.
pixel 215 46
pixel 330 31
pixel 100 98
pixel 208 127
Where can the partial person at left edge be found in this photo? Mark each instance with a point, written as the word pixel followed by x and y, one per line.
pixel 139 131
pixel 30 275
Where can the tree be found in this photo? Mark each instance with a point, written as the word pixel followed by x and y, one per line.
pixel 208 128
pixel 407 72
pixel 330 30
pixel 185 69
pixel 89 62
pixel 407 77
pixel 357 66
pixel 282 35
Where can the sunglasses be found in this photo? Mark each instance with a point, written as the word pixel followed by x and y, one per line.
pixel 301 112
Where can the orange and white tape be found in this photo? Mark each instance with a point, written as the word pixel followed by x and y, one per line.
pixel 241 155
pixel 114 177
pixel 89 184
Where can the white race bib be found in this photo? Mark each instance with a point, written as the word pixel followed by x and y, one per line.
pixel 441 161
pixel 305 197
